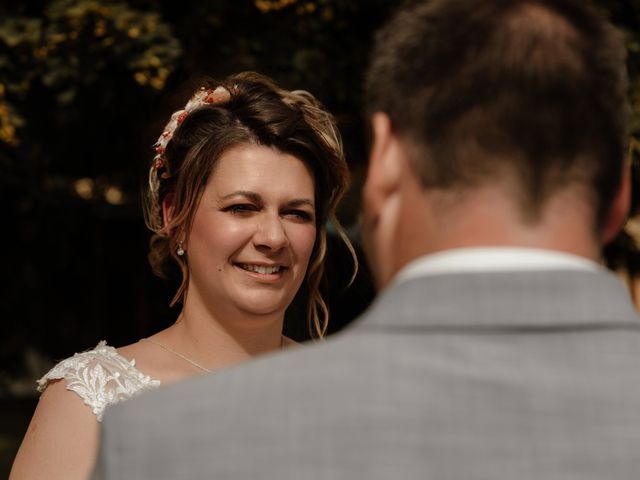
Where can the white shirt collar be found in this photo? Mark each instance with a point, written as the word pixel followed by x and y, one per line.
pixel 493 259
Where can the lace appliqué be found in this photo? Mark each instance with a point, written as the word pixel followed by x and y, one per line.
pixel 101 377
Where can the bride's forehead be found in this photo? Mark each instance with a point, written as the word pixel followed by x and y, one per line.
pixel 260 166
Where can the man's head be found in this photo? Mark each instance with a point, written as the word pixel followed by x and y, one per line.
pixel 521 97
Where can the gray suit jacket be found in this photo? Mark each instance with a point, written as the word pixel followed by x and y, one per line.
pixel 530 375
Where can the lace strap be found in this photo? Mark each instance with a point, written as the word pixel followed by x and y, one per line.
pixel 101 377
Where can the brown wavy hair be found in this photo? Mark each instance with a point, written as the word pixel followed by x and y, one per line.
pixel 257 112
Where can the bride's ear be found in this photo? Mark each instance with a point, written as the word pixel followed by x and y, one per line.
pixel 167 209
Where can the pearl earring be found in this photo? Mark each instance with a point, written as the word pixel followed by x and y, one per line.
pixel 180 250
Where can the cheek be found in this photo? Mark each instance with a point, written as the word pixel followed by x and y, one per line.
pixel 369 215
pixel 219 235
pixel 302 240
pixel 368 222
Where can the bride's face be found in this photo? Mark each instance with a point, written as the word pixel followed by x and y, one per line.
pixel 253 232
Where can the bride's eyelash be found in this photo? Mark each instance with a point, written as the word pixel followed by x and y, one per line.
pixel 302 214
pixel 246 208
pixel 240 208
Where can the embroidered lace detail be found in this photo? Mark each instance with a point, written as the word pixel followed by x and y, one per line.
pixel 101 377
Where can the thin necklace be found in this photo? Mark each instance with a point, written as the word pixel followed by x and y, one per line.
pixel 171 350
pixel 187 359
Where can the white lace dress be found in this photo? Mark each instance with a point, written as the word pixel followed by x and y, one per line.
pixel 100 377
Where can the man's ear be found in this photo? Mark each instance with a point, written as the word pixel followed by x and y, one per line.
pixel 385 161
pixel 619 209
pixel 384 193
pixel 167 209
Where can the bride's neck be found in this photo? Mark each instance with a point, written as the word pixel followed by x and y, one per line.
pixel 227 335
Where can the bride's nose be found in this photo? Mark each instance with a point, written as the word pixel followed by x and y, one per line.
pixel 270 233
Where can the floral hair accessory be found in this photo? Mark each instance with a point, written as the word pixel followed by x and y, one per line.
pixel 204 96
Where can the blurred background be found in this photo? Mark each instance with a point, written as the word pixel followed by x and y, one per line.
pixel 85 89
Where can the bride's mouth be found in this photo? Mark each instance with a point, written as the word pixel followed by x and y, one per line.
pixel 262 269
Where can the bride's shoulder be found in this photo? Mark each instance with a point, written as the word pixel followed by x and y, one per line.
pixel 100 377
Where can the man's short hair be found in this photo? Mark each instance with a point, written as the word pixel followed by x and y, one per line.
pixel 533 91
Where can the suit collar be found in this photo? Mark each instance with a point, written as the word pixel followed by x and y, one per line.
pixel 528 299
pixel 493 259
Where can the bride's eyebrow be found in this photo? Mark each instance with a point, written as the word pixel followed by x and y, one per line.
pixel 243 193
pixel 255 197
pixel 300 202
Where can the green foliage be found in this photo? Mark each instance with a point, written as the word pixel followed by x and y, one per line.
pixel 76 42
pixel 17 71
pixel 77 78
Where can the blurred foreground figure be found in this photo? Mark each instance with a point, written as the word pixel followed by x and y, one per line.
pixel 499 348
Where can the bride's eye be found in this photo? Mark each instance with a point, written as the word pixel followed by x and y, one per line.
pixel 300 215
pixel 240 209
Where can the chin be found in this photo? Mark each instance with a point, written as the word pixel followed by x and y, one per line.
pixel 262 301
pixel 257 307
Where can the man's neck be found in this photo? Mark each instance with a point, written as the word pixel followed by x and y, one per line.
pixel 486 218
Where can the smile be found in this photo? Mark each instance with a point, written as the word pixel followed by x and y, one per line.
pixel 262 269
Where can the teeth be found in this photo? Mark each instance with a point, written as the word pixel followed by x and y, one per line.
pixel 261 269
